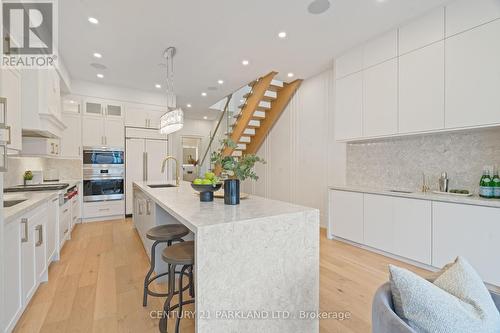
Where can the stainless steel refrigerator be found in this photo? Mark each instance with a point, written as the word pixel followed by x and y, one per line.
pixel 145 149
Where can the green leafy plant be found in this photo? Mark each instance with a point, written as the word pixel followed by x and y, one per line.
pixel 28 175
pixel 234 167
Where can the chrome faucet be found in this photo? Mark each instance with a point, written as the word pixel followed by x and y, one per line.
pixel 164 164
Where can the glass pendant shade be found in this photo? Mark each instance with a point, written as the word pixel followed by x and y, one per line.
pixel 172 121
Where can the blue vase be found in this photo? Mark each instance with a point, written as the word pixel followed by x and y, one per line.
pixel 232 191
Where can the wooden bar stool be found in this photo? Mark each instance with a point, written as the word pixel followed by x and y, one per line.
pixel 181 254
pixel 167 233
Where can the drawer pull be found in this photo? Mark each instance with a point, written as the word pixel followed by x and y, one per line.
pixel 103 209
pixel 39 228
pixel 25 238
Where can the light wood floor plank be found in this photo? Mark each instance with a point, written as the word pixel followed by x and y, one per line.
pixel 97 285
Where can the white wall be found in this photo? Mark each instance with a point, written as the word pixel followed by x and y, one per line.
pixel 90 89
pixel 301 153
pixel 192 128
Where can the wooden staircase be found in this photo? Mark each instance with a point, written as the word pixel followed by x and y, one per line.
pixel 260 110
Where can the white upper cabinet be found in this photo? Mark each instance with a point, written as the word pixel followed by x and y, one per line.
pixel 473 77
pixel 421 89
pixel 349 107
pixel 10 88
pixel 71 140
pixel 114 110
pixel 349 63
pixel 462 15
pixel 103 124
pixel 94 108
pixel 380 102
pixel 381 49
pixel 92 132
pixel 422 31
pixel 114 133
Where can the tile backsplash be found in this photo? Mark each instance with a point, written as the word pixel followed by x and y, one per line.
pixel 398 163
pixel 68 169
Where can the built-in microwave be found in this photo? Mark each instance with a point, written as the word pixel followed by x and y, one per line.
pixel 103 156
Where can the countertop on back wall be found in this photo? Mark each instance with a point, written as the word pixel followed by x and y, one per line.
pixel 472 200
pixel 34 199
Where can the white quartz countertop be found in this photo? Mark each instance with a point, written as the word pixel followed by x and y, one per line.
pixel 472 200
pixel 184 204
pixel 33 199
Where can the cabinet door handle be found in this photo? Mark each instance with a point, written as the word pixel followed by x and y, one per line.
pixel 26 235
pixel 39 228
pixel 65 211
pixel 56 199
pixel 52 148
pixel 65 231
pixel 148 208
pixel 79 151
pixel 139 206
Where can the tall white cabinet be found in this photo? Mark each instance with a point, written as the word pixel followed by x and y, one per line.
pixel 103 124
pixel 144 153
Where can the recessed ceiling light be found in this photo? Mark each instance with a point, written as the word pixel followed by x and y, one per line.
pixel 291 75
pixel 188 105
pixel 282 34
pixel 97 55
pixel 245 62
pixel 204 94
pixel 158 86
pixel 220 82
pixel 100 76
pixel 318 6
pixel 205 117
pixel 93 20
pixel 381 1
pixel 72 102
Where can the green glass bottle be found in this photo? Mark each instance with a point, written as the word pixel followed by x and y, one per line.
pixel 496 184
pixel 486 184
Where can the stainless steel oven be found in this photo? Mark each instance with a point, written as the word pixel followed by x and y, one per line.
pixel 103 156
pixel 103 174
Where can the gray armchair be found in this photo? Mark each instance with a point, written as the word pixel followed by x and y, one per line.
pixel 385 320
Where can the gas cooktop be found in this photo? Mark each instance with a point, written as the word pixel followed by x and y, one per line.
pixel 37 187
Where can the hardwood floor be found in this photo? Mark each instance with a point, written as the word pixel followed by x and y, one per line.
pixel 97 285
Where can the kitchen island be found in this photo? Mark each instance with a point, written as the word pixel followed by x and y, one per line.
pixel 256 264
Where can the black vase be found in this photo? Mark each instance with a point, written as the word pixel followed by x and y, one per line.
pixel 232 191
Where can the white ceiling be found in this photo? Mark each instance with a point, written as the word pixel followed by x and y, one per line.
pixel 213 37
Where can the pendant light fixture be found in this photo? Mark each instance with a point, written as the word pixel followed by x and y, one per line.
pixel 173 120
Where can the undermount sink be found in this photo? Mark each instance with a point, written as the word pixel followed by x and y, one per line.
pixel 10 203
pixel 400 191
pixel 162 185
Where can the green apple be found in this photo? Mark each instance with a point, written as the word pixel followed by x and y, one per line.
pixel 209 175
pixel 207 182
pixel 198 181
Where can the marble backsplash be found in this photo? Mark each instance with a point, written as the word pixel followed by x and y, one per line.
pixel 398 163
pixel 68 169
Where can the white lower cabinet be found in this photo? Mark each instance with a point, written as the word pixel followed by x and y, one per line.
pixel 398 225
pixel 12 274
pixel 347 215
pixel 468 231
pixel 412 229
pixel 378 222
pixel 429 232
pixel 30 245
